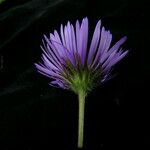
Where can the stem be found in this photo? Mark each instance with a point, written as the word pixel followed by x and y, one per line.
pixel 81 98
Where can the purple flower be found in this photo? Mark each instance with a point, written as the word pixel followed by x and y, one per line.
pixel 74 62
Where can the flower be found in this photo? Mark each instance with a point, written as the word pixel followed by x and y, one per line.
pixel 73 63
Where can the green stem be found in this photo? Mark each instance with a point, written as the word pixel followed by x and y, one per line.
pixel 81 98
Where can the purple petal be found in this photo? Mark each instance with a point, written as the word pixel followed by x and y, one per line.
pixel 62 35
pixel 46 71
pixel 67 55
pixel 48 53
pixel 73 39
pixel 94 42
pixel 55 47
pixel 67 38
pixel 70 36
pixel 70 43
pixel 118 44
pixel 58 83
pixel 55 40
pixel 48 64
pixel 80 40
pixel 108 42
pixel 74 44
pixel 110 58
pixel 103 50
pixel 115 60
pixel 115 47
pixel 84 27
pixel 54 59
pixel 60 51
pixel 53 55
pixel 104 45
pixel 77 34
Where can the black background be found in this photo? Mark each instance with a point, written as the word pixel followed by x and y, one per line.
pixel 36 116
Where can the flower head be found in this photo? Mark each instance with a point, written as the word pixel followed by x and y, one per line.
pixel 73 62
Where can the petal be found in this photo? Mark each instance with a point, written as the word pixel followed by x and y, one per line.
pixel 106 53
pixel 49 73
pixel 57 43
pixel 104 45
pixel 67 55
pixel 73 39
pixel 118 44
pixel 84 27
pixel 48 53
pixel 53 52
pixel 94 42
pixel 48 64
pixel 103 50
pixel 115 60
pixel 67 38
pixel 70 42
pixel 112 56
pixel 58 83
pixel 77 34
pixel 80 40
pixel 70 36
pixel 52 44
pixel 60 51
pixel 62 35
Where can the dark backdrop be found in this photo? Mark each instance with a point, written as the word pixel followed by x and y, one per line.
pixel 36 116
